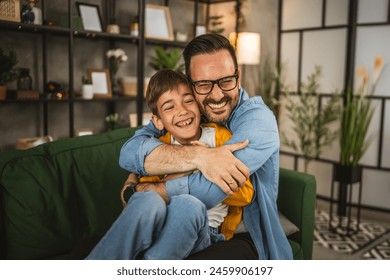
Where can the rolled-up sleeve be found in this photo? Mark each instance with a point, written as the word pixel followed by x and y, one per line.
pixel 136 149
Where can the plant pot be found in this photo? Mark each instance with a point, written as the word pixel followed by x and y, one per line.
pixel 345 175
pixel 3 92
pixel 87 91
pixel 113 28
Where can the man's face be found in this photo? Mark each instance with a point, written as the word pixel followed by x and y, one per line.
pixel 179 114
pixel 218 104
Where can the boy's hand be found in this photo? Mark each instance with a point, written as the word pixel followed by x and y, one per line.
pixel 159 188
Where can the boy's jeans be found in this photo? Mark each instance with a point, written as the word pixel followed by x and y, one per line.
pixel 162 231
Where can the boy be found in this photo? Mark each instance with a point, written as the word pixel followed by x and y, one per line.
pixel 174 109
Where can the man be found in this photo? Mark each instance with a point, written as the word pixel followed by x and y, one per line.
pixel 211 64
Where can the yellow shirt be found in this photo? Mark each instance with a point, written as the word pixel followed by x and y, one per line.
pixel 235 201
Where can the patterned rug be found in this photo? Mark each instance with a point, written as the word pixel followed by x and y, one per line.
pixel 368 233
pixel 379 252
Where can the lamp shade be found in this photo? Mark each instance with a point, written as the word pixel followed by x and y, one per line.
pixel 247 47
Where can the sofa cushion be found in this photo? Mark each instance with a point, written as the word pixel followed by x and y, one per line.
pixel 288 227
pixel 53 196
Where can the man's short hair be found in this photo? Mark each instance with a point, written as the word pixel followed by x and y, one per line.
pixel 161 82
pixel 207 44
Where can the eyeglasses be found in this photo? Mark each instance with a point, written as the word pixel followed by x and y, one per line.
pixel 204 87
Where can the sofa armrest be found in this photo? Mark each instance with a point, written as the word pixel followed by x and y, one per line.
pixel 296 200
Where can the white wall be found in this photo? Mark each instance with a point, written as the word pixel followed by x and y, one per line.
pixel 327 47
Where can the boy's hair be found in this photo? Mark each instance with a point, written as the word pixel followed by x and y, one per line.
pixel 207 44
pixel 161 82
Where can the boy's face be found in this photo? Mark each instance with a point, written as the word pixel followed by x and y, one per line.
pixel 179 114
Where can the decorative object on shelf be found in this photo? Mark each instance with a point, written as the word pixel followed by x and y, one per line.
pixel 54 90
pixel 158 23
pixel 354 141
pixel 27 14
pixel 90 15
pixel 27 94
pixel 24 80
pixel 112 27
pixel 36 11
pixel 112 121
pixel 129 86
pixel 84 132
pixel 10 10
pixel 134 26
pixel 86 88
pixel 115 58
pixel 181 37
pixel 146 117
pixel 101 82
pixel 8 72
pixel 76 21
pixel 215 23
pixel 31 142
pixel 200 30
pixel 24 86
pixel 311 124
pixel 165 59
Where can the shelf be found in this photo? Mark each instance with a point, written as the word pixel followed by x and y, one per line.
pixel 213 1
pixel 73 40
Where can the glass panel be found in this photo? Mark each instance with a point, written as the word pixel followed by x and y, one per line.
pixel 336 12
pixel 372 11
pixel 373 41
pixel 327 49
pixel 376 188
pixel 301 14
pixel 290 59
pixel 386 138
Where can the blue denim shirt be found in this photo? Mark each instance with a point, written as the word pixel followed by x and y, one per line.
pixel 252 120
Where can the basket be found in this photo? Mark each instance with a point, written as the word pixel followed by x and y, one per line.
pixel 10 10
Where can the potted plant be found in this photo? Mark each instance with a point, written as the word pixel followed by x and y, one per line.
pixel 165 59
pixel 86 88
pixel 7 71
pixel 310 123
pixel 354 141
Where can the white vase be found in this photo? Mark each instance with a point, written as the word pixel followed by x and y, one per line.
pixel 87 91
pixel 38 15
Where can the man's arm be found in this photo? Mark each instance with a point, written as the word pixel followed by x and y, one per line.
pixel 144 154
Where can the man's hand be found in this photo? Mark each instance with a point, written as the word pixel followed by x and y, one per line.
pixel 159 188
pixel 221 167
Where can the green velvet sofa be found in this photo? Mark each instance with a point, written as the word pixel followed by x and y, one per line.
pixel 57 195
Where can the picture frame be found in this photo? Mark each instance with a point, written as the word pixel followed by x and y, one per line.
pixel 101 82
pixel 10 10
pixel 146 117
pixel 200 30
pixel 90 16
pixel 158 23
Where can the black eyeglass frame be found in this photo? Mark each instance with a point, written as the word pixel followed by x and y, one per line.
pixel 213 82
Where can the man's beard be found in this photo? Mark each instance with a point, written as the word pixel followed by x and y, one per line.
pixel 213 117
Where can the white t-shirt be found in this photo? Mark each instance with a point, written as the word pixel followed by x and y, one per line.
pixel 217 214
